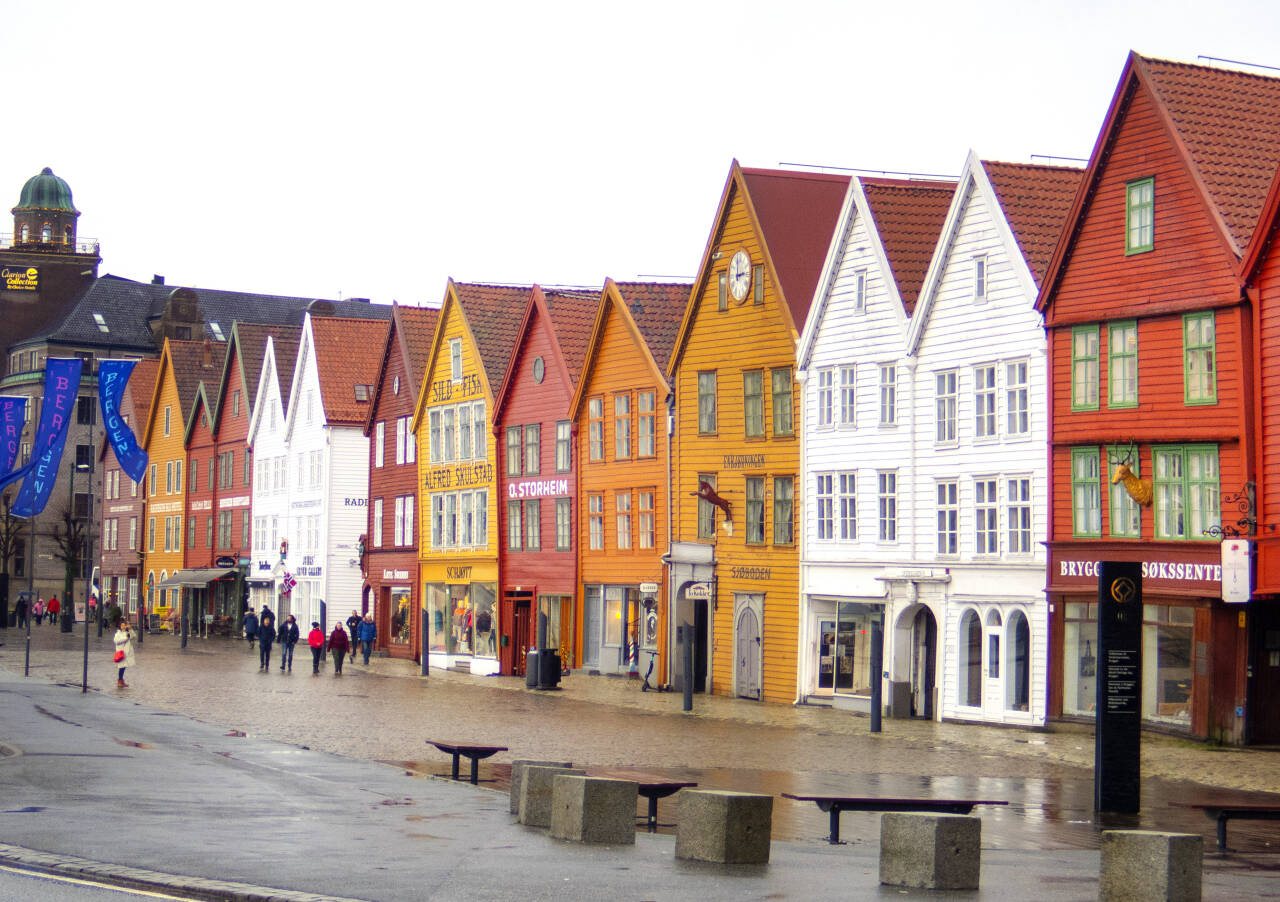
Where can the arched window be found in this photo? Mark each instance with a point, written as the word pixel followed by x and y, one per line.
pixel 970 675
pixel 66 235
pixel 26 233
pixel 46 233
pixel 1018 676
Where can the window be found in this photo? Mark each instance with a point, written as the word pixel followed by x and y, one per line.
pixel 244 528
pixel 377 525
pixel 84 457
pixel 825 518
pixel 226 468
pixel 433 428
pixel 595 522
pixel 1139 216
pixel 755 510
pixel 622 427
pixel 513 450
pixel 1019 515
pixel 706 510
pixel 945 407
pixel 848 396
pixel 151 489
pixel 408 519
pixel 1086 501
pixel 595 428
pixel 848 506
pixel 133 533
pixel 757 284
pixel 448 440
pixel 401 430
pixel 247 469
pixel 722 292
pixel 826 396
pixel 980 278
pixel 168 533
pixel 646 522
pixel 455 359
pixel 481 505
pixel 532 449
pixel 887 502
pixel 707 402
pixel 860 291
pixel 101 321
pixel 987 529
pixel 151 534
pixel 191 532
pixel 1126 514
pixel 564 446
pixel 781 379
pixel 1084 368
pixel 479 447
pixel 515 532
pixel 86 410
pixel 168 477
pixel 623 517
pixel 783 508
pixel 224 529
pixel 984 401
pixel 753 403
pixel 564 524
pixel 1186 491
pixel 1122 364
pixel 948 517
pixel 1199 358
pixel 888 394
pixel 1017 398
pixel 450 536
pixel 235 403
pixel 398 534
pixel 464 433
pixel 533 525
pixel 167 419
pixel 646 401
pixel 208 531
pixel 466 519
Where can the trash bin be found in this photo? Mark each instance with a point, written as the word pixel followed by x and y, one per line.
pixel 531 669
pixel 549 670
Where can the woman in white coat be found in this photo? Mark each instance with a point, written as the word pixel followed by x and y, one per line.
pixel 123 656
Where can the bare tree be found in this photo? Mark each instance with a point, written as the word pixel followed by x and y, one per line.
pixel 69 538
pixel 11 529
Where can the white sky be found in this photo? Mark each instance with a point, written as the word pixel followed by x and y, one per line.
pixel 374 149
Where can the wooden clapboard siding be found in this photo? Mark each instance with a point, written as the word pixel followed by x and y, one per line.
pixel 1268 282
pixel 161 450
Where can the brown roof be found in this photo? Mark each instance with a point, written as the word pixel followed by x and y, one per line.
pixel 195 362
pixel 908 218
pixel 797 212
pixel 657 308
pixel 1035 201
pixel 286 347
pixel 572 315
pixel 251 342
pixel 494 314
pixel 348 353
pixel 417 328
pixel 1229 122
pixel 142 384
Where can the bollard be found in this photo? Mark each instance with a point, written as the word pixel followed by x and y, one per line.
pixel 687 634
pixel 1145 866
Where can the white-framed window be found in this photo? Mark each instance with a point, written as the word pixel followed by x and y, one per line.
pixel 1017 398
pixel 622 426
pixel 644 501
pixel 595 521
pixel 948 517
pixel 455 359
pixel 825 518
pixel 984 401
pixel 849 506
pixel 398 539
pixel 887 505
pixel 479 448
pixel 133 533
pixel 944 406
pixel 826 396
pixel 564 445
pixel 860 291
pixel 987 512
pixel 848 395
pixel 448 441
pixel 464 432
pixel 980 277
pixel 377 522
pixel 646 402
pixel 1018 506
pixel 433 431
pixel 401 431
pixel 888 394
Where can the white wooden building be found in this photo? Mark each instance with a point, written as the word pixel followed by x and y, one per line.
pixel 270 504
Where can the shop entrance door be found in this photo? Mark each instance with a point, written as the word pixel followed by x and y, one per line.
pixel 747 645
pixel 993 687
pixel 1265 686
pixel 522 632
pixel 924 648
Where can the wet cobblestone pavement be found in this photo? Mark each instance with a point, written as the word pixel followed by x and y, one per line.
pixel 386 711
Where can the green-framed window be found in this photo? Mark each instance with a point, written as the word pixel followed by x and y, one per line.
pixel 753 403
pixel 1186 491
pixel 1199 357
pixel 707 402
pixel 1084 368
pixel 1122 364
pixel 1139 216
pixel 1086 493
pixel 1126 514
pixel 780 384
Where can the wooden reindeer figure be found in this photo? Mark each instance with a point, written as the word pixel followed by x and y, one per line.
pixel 1139 488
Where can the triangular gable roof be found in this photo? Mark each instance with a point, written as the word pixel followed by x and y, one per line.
pixel 1225 125
pixel 1264 234
pixel 650 312
pixel 247 348
pixel 181 361
pixel 201 399
pixel 413 329
pixel 908 216
pixel 569 315
pixel 272 363
pixel 347 353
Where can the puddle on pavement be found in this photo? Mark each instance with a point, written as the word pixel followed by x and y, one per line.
pixel 132 743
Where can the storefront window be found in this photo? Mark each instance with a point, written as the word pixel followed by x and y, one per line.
pixel 462 619
pixel 400 616
pixel 1167 634
pixel 483 598
pixel 613 616
pixel 441 636
pixel 550 605
pixel 970 675
pixel 844 650
pixel 1080 662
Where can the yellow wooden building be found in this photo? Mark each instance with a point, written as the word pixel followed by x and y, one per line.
pixel 734 573
pixel 457 480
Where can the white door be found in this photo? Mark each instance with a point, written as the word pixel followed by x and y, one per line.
pixel 993 669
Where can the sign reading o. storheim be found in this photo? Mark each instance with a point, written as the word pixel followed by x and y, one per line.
pixel 20 278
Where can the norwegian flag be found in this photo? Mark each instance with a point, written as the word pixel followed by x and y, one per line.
pixel 288 584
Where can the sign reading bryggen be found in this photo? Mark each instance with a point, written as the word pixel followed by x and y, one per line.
pixel 27 279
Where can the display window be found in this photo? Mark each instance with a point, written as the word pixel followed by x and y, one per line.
pixel 844 650
pixel 401 599
pixel 462 618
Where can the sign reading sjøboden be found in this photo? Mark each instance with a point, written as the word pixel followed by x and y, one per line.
pixel 1117 766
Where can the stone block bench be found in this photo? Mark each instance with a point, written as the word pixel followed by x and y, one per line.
pixel 517 776
pixel 593 809
pixel 1145 866
pixel 536 788
pixel 724 827
pixel 930 851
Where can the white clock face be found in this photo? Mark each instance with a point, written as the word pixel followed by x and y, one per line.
pixel 740 276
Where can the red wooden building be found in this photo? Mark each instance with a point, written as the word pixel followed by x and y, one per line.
pixel 390 561
pixel 1151 343
pixel 537 565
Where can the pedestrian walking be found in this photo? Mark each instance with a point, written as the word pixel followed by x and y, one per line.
pixel 250 627
pixel 368 632
pixel 353 627
pixel 123 656
pixel 288 638
pixel 20 611
pixel 266 635
pixel 338 647
pixel 53 609
pixel 315 639
pixel 37 611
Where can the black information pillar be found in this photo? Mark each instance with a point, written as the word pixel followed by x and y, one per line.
pixel 1116 760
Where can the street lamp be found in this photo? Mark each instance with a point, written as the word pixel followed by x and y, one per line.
pixel 68 592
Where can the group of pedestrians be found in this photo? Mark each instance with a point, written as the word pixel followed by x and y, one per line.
pixel 260 627
pixel 38 610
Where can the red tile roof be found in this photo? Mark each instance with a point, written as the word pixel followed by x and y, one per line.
pixel 250 341
pixel 1035 201
pixel 494 314
pixel 142 384
pixel 657 308
pixel 195 362
pixel 573 313
pixel 348 353
pixel 908 217
pixel 797 212
pixel 286 348
pixel 417 328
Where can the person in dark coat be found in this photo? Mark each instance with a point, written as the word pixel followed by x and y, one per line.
pixel 250 627
pixel 266 635
pixel 368 632
pixel 353 627
pixel 338 647
pixel 288 638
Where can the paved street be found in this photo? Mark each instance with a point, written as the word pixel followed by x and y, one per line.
pixel 384 712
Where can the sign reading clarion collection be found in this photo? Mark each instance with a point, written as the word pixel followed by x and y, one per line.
pixel 1117 765
pixel 19 279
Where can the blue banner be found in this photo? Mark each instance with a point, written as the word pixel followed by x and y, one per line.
pixel 13 411
pixel 61 385
pixel 113 376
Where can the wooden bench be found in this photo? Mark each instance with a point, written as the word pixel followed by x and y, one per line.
pixel 650 786
pixel 1227 810
pixel 472 751
pixel 837 804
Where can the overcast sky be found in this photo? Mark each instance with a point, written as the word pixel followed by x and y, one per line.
pixel 375 149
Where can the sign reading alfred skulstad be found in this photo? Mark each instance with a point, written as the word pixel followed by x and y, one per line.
pixel 1117 766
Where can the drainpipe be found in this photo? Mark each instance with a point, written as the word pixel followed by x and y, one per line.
pixel 666 558
pixel 802 477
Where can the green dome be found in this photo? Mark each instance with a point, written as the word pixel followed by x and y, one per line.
pixel 46 192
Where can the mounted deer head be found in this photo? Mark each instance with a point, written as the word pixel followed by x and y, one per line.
pixel 1139 489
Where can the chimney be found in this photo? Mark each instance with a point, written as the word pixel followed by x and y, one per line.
pixel 208 352
pixel 157 279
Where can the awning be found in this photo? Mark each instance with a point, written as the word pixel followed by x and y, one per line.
pixel 196 579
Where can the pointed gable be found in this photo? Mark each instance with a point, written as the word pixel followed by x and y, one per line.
pixel 908 217
pixel 196 362
pixel 347 354
pixel 141 386
pixel 1035 200
pixel 656 308
pixel 493 314
pixel 416 327
pixel 571 314
pixel 250 341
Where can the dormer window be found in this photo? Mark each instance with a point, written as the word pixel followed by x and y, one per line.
pixel 362 392
pixel 182 333
pixel 1140 216
pixel 217 332
pixel 102 322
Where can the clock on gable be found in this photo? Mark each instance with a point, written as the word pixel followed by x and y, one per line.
pixel 740 276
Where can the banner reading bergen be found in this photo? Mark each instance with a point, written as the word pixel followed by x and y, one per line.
pixel 113 376
pixel 61 385
pixel 12 413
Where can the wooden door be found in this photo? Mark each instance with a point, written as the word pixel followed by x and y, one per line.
pixel 747 634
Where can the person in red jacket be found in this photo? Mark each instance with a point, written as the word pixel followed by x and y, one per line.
pixel 339 644
pixel 53 608
pixel 315 639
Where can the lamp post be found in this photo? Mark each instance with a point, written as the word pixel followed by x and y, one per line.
pixel 88 580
